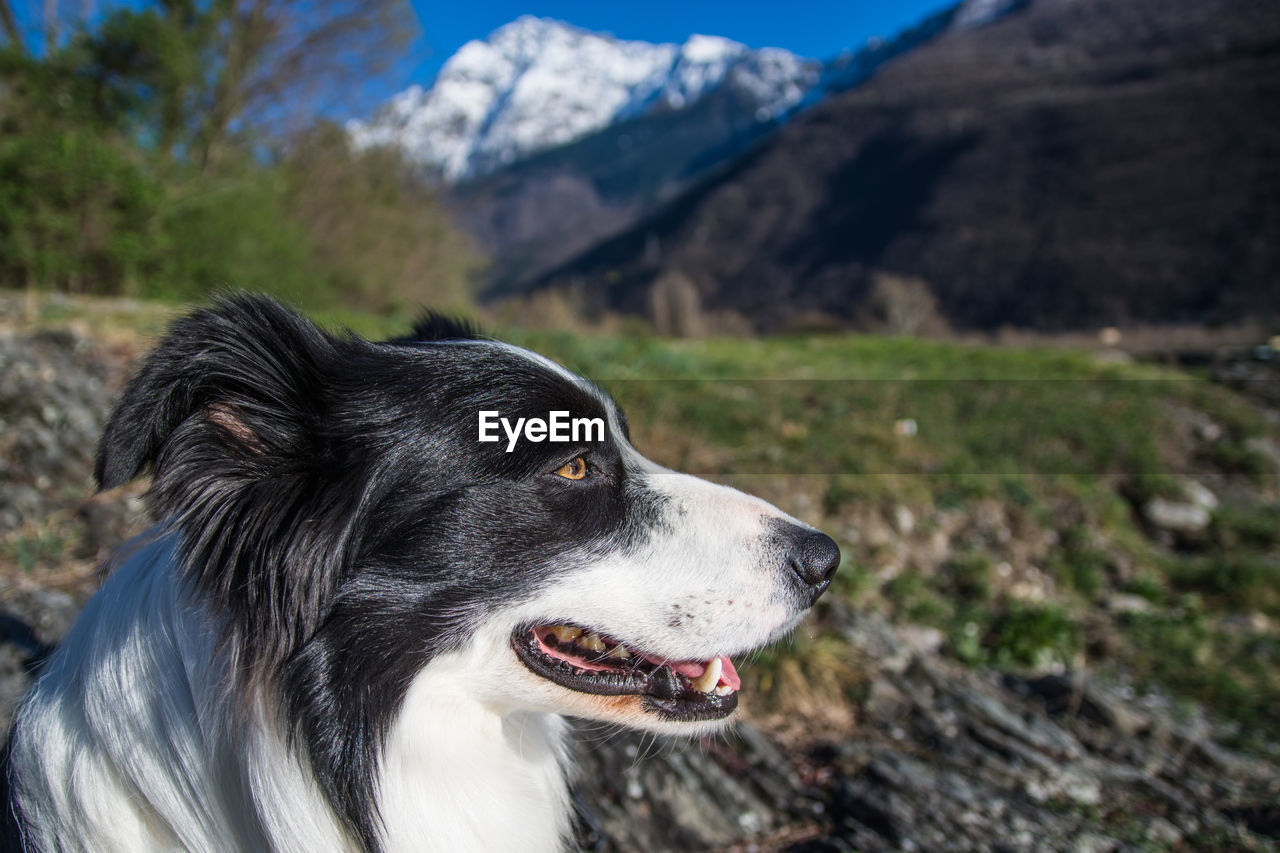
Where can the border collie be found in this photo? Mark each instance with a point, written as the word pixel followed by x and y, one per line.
pixel 357 626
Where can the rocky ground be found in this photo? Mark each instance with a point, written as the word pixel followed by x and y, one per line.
pixel 944 758
pixel 931 755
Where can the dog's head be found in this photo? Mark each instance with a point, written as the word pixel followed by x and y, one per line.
pixel 344 522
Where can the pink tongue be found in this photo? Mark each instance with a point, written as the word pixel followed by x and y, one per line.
pixel 694 668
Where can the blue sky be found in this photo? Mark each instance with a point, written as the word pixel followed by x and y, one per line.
pixel 815 28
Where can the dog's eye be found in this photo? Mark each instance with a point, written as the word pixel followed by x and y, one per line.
pixel 575 470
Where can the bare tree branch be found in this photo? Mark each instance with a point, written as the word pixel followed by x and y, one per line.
pixel 10 24
pixel 50 25
pixel 275 59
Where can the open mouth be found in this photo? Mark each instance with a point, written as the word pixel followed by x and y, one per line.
pixel 591 662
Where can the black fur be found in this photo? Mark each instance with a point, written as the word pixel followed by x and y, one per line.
pixel 433 326
pixel 11 826
pixel 337 510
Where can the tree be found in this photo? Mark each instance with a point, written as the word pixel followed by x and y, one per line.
pixel 376 225
pixel 675 308
pixel 155 152
pixel 9 23
pixel 58 20
pixel 903 305
pixel 201 72
pixel 77 202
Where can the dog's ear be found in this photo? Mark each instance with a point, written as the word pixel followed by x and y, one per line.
pixel 240 373
pixel 228 413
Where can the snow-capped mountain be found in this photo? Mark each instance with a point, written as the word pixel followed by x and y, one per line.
pixel 537 83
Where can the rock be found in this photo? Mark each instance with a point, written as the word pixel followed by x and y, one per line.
pixel 871 634
pixel 921 639
pixel 15 667
pixel 638 792
pixel 1208 431
pixel 886 703
pixel 36 617
pixel 56 391
pixel 1265 448
pixel 1062 694
pixel 1176 516
pixel 904 520
pixel 32 619
pixel 1162 833
pixel 1199 495
pixel 1035 731
pixel 1124 602
pixel 110 518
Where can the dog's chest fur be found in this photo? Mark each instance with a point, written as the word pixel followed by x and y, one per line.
pixel 457 774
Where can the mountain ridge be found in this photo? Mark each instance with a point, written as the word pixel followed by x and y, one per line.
pixel 547 207
pixel 537 83
pixel 532 201
pixel 1075 164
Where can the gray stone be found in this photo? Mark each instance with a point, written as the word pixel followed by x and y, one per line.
pixel 1266 448
pixel 1199 494
pixel 1176 516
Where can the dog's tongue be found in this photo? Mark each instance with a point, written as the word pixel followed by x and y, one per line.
pixel 694 668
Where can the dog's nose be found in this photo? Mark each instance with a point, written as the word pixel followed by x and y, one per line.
pixel 814 558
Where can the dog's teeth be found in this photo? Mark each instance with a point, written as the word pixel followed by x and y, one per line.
pixel 620 652
pixel 723 690
pixel 592 642
pixel 565 633
pixel 710 677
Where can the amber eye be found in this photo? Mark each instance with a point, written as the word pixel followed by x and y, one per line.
pixel 575 470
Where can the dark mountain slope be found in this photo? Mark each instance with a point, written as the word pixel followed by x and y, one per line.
pixel 547 208
pixel 551 206
pixel 1079 162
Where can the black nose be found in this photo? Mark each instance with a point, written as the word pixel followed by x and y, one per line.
pixel 814 557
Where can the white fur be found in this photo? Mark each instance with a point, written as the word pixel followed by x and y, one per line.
pixel 464 773
pixel 140 747
pixel 136 735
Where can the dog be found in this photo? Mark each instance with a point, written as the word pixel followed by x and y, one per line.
pixel 358 627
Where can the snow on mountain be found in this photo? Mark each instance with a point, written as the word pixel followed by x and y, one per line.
pixel 537 83
pixel 977 13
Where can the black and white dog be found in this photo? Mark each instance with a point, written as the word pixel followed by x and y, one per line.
pixel 357 625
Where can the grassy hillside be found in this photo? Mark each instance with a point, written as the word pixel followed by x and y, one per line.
pixel 1003 498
